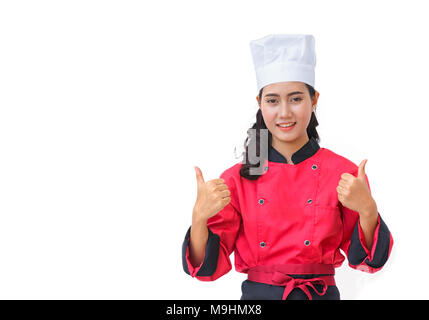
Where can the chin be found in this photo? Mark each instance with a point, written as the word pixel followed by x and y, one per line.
pixel 286 137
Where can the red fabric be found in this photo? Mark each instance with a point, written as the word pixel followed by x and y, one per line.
pixel 278 275
pixel 286 218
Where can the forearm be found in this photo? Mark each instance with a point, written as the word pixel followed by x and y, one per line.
pixel 198 241
pixel 368 222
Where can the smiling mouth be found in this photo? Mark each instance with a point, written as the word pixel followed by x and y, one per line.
pixel 285 127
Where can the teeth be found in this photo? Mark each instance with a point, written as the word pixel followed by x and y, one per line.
pixel 285 126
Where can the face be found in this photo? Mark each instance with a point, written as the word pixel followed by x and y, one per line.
pixel 285 102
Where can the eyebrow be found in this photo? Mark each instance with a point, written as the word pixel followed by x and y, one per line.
pixel 289 94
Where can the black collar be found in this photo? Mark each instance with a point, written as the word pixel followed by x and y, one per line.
pixel 305 152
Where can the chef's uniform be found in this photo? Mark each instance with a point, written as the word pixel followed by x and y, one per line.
pixel 287 227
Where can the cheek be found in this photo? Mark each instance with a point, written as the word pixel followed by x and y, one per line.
pixel 269 118
pixel 303 118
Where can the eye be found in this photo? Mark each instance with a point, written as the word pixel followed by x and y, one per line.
pixel 271 100
pixel 297 99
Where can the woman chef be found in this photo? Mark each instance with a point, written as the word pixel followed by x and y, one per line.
pixel 287 216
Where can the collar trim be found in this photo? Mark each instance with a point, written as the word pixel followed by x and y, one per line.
pixel 305 152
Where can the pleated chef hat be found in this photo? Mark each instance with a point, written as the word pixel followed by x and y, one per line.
pixel 284 57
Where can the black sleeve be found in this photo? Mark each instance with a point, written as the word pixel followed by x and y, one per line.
pixel 382 239
pixel 209 264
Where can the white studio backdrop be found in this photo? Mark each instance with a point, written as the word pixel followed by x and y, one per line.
pixel 107 106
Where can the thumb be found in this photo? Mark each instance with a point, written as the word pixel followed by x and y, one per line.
pixel 199 175
pixel 361 170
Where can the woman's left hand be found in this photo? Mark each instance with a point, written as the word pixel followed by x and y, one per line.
pixel 353 192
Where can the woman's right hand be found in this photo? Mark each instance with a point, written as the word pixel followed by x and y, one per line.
pixel 212 196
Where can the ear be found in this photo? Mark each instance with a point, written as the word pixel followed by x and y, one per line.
pixel 315 100
pixel 317 94
pixel 257 99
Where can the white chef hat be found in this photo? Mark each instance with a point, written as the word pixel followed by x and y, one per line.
pixel 284 57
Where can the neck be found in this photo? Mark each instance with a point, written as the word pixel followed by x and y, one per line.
pixel 288 148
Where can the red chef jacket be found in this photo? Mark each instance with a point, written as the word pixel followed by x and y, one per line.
pixel 290 216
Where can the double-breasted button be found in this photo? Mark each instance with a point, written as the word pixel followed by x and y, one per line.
pixel 261 201
pixel 314 167
pixel 262 244
pixel 309 201
pixel 307 242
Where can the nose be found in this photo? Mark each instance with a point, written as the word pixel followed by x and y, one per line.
pixel 285 110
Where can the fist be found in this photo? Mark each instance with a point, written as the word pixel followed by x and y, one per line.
pixel 353 192
pixel 212 196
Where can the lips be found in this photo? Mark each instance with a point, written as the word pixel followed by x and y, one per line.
pixel 286 128
pixel 286 123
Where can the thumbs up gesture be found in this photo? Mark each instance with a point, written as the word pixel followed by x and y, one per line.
pixel 212 196
pixel 353 192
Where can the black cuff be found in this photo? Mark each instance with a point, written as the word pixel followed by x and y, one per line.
pixel 357 254
pixel 211 254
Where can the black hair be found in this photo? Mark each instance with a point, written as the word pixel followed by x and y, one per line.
pixel 260 124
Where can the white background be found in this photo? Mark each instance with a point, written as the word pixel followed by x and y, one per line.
pixel 106 106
